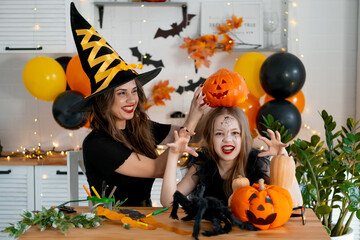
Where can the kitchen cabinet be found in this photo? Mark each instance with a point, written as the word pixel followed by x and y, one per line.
pixel 29 188
pixel 17 194
pixel 51 186
pixel 36 26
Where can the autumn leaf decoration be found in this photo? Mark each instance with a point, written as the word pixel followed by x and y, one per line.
pixel 160 92
pixel 200 49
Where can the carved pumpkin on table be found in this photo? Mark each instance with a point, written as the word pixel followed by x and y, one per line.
pixel 265 206
pixel 225 88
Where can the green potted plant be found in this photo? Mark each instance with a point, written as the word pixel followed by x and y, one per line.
pixel 328 172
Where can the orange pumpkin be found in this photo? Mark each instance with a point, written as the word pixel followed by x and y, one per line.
pixel 265 206
pixel 225 88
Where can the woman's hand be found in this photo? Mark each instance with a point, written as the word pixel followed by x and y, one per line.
pixel 275 146
pixel 197 109
pixel 180 144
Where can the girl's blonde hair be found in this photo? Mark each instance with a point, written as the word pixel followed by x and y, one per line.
pixel 239 167
pixel 140 139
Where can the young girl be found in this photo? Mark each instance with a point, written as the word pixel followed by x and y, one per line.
pixel 226 153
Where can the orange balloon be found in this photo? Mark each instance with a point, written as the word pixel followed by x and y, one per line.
pixel 77 78
pixel 251 107
pixel 298 100
pixel 87 124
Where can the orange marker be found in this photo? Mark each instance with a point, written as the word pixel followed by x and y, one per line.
pixel 87 191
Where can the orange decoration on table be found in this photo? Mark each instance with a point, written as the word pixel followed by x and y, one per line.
pixel 225 88
pixel 251 107
pixel 298 100
pixel 265 206
pixel 147 223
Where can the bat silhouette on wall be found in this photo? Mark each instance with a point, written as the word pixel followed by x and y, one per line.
pixel 145 59
pixel 191 87
pixel 176 28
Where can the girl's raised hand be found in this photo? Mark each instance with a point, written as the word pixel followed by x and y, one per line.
pixel 275 146
pixel 181 142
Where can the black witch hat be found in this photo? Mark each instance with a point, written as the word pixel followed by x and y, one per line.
pixel 104 67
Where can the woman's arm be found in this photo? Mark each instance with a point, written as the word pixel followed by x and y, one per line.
pixel 137 165
pixel 169 185
pixel 196 111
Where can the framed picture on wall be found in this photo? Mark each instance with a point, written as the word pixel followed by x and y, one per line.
pixel 249 35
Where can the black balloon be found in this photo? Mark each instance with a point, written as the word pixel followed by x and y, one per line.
pixel 65 118
pixel 283 111
pixel 63 62
pixel 282 75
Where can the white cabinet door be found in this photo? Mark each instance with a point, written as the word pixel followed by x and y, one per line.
pixel 35 26
pixel 17 194
pixel 51 186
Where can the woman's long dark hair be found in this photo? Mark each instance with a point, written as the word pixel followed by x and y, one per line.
pixel 140 139
pixel 239 167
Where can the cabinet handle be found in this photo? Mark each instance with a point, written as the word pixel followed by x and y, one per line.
pixel 5 172
pixel 14 49
pixel 58 172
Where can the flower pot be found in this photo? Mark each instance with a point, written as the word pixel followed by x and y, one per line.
pixel 348 236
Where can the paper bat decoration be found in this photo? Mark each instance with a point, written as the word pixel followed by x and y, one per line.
pixel 176 28
pixel 145 59
pixel 191 87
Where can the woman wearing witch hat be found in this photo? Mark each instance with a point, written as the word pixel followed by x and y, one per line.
pixel 120 149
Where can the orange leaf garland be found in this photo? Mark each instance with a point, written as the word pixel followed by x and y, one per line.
pixel 228 43
pixel 235 22
pixel 160 92
pixel 200 49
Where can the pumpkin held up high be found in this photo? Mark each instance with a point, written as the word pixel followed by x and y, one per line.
pixel 225 88
pixel 265 206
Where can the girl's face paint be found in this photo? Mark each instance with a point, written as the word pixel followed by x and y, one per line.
pixel 227 139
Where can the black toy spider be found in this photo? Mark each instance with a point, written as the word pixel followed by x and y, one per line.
pixel 208 208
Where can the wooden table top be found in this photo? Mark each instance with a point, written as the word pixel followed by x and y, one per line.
pixel 293 229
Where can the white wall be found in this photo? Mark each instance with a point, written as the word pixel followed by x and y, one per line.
pixel 327 39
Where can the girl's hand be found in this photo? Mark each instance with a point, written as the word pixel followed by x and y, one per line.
pixel 275 146
pixel 180 144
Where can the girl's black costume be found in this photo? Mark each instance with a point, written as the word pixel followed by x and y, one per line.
pixel 103 155
pixel 209 176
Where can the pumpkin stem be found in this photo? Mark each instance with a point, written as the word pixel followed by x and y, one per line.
pixel 261 184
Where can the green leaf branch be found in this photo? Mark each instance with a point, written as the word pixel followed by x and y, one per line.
pixel 52 218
